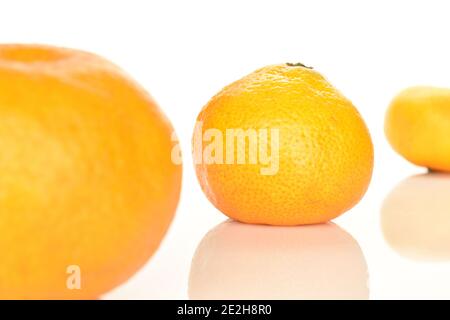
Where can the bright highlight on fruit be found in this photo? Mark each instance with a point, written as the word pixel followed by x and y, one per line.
pixel 282 146
pixel 418 126
pixel 87 185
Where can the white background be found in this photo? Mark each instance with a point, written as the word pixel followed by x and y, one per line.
pixel 183 52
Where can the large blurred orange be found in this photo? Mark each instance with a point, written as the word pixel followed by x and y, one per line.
pixel 325 153
pixel 86 177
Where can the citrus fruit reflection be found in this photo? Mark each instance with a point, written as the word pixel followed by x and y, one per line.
pixel 240 261
pixel 415 217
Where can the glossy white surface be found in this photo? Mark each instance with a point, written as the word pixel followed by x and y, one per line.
pixel 183 52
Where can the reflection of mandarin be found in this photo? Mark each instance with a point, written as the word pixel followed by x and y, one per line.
pixel 415 217
pixel 325 152
pixel 240 261
pixel 86 177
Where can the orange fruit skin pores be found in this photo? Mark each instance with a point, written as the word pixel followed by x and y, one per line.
pixel 320 166
pixel 87 184
pixel 417 126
